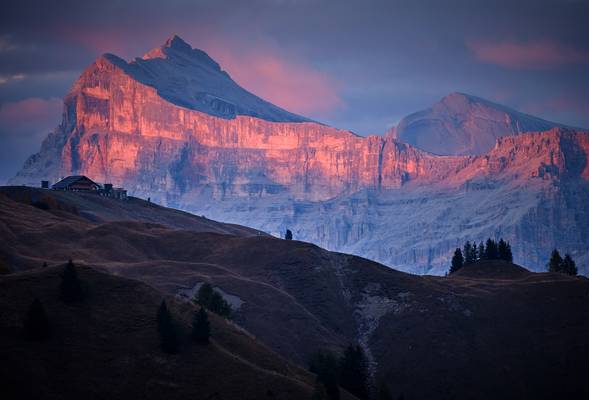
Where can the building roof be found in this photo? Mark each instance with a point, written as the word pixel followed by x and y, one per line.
pixel 70 180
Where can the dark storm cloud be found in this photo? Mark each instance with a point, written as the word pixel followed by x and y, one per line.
pixel 371 62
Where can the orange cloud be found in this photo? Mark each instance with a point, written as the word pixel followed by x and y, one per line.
pixel 288 83
pixel 543 54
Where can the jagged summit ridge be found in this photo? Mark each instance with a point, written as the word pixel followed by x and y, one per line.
pixel 462 124
pixel 190 78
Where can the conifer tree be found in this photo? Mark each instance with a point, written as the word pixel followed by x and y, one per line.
pixel 167 330
pixel 568 265
pixel 288 235
pixel 324 365
pixel 457 261
pixel 481 251
pixel 36 324
pixel 219 305
pixel 491 250
pixel 71 289
pixel 473 252
pixel 502 250
pixel 556 262
pixel 353 374
pixel 509 254
pixel 213 301
pixel 44 264
pixel 204 295
pixel 467 253
pixel 201 327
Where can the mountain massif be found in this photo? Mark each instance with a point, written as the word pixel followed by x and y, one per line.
pixel 491 330
pixel 174 127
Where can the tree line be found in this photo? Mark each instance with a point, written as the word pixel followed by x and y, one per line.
pixel 501 250
pixel 471 253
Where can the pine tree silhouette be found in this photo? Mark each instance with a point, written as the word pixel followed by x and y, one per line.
pixel 353 375
pixel 457 261
pixel 568 265
pixel 71 289
pixel 201 327
pixel 167 330
pixel 467 253
pixel 36 324
pixel 491 252
pixel 324 365
pixel 288 235
pixel 481 252
pixel 556 262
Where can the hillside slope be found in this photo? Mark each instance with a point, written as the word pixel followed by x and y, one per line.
pixel 108 347
pixel 491 331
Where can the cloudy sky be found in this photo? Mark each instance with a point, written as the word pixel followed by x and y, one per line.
pixel 359 65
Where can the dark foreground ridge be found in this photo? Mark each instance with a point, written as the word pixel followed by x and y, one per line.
pixel 107 347
pixel 491 330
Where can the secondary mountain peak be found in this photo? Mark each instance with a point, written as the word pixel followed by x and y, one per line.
pixel 463 124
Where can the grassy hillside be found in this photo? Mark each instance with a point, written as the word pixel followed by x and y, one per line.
pixel 493 330
pixel 108 347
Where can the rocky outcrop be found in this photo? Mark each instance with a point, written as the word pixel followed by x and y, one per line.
pixel 129 124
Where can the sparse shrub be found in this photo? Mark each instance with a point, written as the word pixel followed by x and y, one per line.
pixel 201 327
pixel 71 289
pixel 36 324
pixel 167 330
pixel 288 235
pixel 457 261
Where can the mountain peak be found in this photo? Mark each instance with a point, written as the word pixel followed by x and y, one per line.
pixel 177 43
pixel 463 124
pixel 173 45
pixel 190 78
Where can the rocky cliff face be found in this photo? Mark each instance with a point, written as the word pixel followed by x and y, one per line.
pixel 244 160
